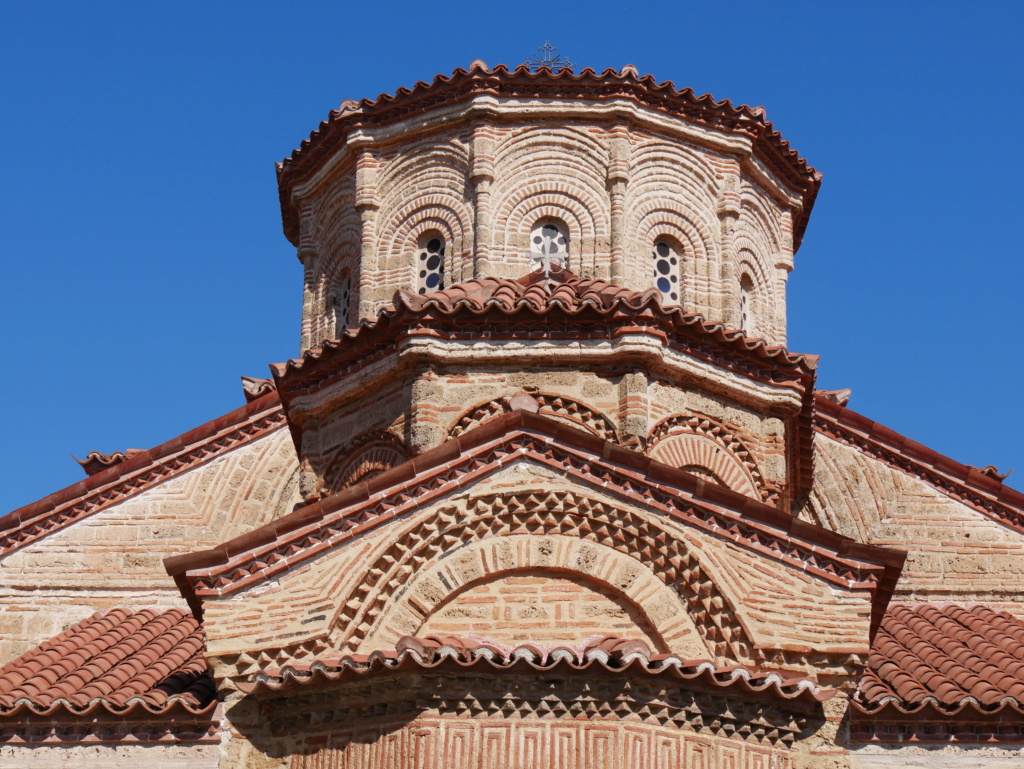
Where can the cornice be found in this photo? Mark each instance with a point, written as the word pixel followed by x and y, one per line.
pixel 519 436
pixel 354 119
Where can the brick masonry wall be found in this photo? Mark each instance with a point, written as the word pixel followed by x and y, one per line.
pixel 396 580
pixel 540 606
pixel 467 743
pixel 115 556
pixel 615 187
pixel 679 422
pixel 956 553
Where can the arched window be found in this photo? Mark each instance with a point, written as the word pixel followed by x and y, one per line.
pixel 549 247
pixel 341 302
pixel 666 270
pixel 746 300
pixel 430 263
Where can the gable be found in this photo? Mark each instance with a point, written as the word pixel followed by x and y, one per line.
pixel 874 485
pixel 522 493
pixel 108 541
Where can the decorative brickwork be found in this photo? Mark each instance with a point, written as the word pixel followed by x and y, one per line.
pixel 701 443
pixel 553 491
pixel 558 407
pixel 107 543
pixel 368 455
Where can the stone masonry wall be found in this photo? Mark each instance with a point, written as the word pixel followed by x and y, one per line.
pixel 115 556
pixel 679 424
pixel 956 553
pixel 615 188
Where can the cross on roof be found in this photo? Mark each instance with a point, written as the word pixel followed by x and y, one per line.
pixel 548 56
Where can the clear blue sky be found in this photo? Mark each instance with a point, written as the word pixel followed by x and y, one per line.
pixel 144 268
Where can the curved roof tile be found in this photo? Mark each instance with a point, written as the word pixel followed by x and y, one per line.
pixel 116 659
pixel 946 657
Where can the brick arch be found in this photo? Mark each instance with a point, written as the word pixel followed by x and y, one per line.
pixel 749 262
pixel 558 407
pixel 696 441
pixel 660 613
pixel 429 212
pixel 369 454
pixel 446 531
pixel 547 172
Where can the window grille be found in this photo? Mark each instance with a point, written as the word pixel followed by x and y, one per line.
pixel 430 263
pixel 549 248
pixel 666 271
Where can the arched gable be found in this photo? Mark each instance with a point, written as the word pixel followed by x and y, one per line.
pixel 677 592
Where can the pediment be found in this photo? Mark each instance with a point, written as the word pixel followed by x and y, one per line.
pixel 706 572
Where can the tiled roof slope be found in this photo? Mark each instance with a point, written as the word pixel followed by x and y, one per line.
pixel 935 667
pixel 522 82
pixel 565 307
pixel 608 654
pixel 534 295
pixel 119 659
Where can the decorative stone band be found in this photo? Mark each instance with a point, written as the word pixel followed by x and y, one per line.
pixel 522 83
pixel 969 485
pixel 139 472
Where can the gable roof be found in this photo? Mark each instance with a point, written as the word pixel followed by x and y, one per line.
pixel 971 486
pixel 120 674
pixel 937 666
pixel 322 525
pixel 525 83
pixel 138 472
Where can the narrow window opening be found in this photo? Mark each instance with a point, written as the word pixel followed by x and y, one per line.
pixel 341 305
pixel 746 317
pixel 430 263
pixel 665 259
pixel 549 247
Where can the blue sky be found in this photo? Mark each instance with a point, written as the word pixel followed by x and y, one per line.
pixel 144 268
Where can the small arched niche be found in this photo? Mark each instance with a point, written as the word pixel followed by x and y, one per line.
pixel 542 606
pixel 747 314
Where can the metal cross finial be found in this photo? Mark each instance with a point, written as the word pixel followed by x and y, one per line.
pixel 548 56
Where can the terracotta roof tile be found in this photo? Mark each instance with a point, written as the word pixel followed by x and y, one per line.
pixel 120 659
pixel 607 654
pixel 945 656
pixel 532 295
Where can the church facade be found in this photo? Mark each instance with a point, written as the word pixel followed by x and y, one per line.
pixel 544 487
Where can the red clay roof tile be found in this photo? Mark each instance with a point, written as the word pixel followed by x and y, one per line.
pixel 944 655
pixel 523 82
pixel 122 658
pixel 608 653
